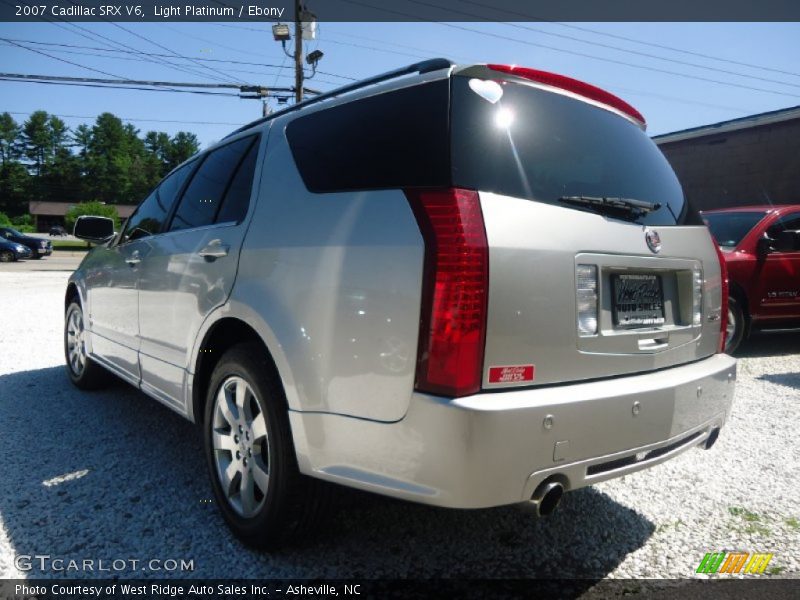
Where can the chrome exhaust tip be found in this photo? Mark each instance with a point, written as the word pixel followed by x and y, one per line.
pixel 546 498
pixel 712 438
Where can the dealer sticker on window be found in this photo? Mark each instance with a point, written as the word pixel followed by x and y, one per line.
pixel 512 374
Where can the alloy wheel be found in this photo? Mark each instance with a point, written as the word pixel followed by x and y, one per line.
pixel 76 346
pixel 241 446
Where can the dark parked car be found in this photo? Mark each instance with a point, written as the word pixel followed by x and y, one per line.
pixel 38 247
pixel 761 246
pixel 58 230
pixel 11 251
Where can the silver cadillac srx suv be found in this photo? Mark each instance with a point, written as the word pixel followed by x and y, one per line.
pixel 466 286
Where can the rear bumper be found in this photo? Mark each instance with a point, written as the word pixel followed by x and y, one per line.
pixel 495 448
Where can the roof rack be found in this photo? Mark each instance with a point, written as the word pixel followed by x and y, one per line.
pixel 425 66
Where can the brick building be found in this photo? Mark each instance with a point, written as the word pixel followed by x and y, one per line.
pixel 752 160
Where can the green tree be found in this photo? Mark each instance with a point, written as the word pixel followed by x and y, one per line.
pixel 37 139
pixel 9 139
pixel 96 209
pixel 14 185
pixel 182 146
pixel 109 162
pixel 4 220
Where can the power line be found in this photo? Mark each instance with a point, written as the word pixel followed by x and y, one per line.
pixel 133 119
pixel 64 60
pixel 120 87
pixel 577 53
pixel 159 60
pixel 122 81
pixel 140 52
pixel 278 75
pixel 612 47
pixel 257 91
pixel 211 69
pixel 673 49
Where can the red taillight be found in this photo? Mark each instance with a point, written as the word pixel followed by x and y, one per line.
pixel 454 291
pixel 723 321
pixel 569 84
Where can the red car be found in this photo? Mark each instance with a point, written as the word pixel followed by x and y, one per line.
pixel 761 245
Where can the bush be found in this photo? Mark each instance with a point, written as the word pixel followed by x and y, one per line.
pixel 4 220
pixel 97 209
pixel 23 224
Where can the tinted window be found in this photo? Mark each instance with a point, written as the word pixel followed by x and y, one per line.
pixel 542 146
pixel 150 216
pixel 237 199
pixel 730 228
pixel 204 194
pixel 786 223
pixel 390 140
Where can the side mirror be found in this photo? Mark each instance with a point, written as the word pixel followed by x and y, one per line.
pixel 787 241
pixel 94 229
pixel 764 245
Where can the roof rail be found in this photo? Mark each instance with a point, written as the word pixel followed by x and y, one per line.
pixel 425 66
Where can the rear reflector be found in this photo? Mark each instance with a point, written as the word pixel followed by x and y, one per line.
pixel 454 291
pixel 723 321
pixel 568 84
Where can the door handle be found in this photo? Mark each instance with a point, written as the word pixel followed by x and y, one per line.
pixel 214 249
pixel 654 343
pixel 134 259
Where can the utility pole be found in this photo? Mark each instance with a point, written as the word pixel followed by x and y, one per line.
pixel 298 51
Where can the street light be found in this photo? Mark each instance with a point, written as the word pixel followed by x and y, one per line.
pixel 281 33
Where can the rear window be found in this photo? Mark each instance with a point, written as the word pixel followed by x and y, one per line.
pixel 730 228
pixel 390 140
pixel 542 146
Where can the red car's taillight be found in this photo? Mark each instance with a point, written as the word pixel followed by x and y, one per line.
pixel 454 291
pixel 723 321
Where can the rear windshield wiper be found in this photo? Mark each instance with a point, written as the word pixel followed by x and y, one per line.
pixel 609 203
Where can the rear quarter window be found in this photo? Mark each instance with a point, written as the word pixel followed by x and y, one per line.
pixel 390 140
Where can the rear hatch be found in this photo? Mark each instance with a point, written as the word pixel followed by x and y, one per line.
pixel 597 267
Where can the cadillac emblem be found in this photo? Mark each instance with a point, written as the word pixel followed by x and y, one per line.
pixel 653 240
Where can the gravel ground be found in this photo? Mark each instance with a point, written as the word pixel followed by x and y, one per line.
pixel 114 475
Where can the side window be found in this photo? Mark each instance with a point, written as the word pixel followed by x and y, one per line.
pixel 149 218
pixel 391 140
pixel 237 199
pixel 790 222
pixel 204 195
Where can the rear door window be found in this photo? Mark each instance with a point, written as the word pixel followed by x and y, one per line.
pixel 237 199
pixel 206 191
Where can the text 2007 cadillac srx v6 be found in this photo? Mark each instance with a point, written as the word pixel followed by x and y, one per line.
pixel 466 286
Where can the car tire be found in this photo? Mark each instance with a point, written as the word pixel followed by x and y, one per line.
pixel 251 460
pixel 82 370
pixel 738 325
pixel 7 256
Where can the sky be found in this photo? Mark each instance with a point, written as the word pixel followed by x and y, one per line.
pixel 678 75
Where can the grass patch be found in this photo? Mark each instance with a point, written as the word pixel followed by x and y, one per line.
pixel 754 522
pixel 793 523
pixel 667 526
pixel 71 245
pixel 749 516
pixel 775 570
